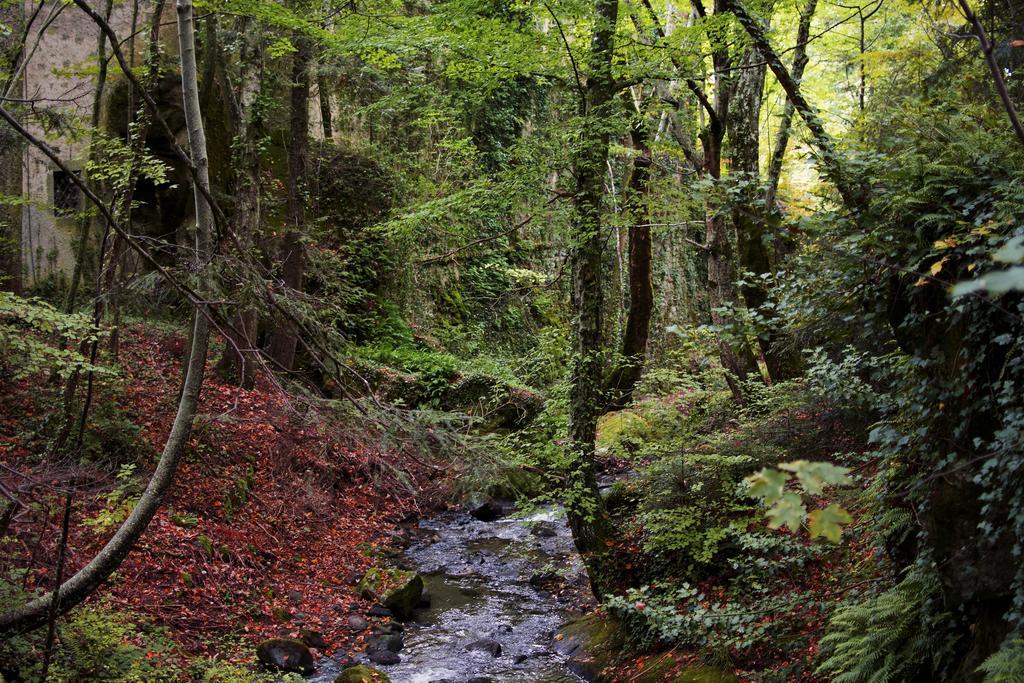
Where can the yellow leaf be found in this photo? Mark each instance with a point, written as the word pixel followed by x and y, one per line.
pixel 937 266
pixel 944 244
pixel 921 282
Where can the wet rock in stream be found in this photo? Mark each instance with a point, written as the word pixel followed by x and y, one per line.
pixel 385 641
pixel 383 657
pixel 488 645
pixel 491 510
pixel 361 673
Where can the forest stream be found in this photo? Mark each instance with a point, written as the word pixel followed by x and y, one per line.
pixel 478 575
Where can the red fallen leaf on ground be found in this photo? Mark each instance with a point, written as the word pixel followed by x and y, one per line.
pixel 252 452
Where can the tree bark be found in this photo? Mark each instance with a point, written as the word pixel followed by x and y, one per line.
pixel 987 49
pixel 750 218
pixel 736 355
pixel 853 194
pixel 82 245
pixel 109 558
pixel 623 378
pixel 587 517
pixel 324 95
pixel 85 222
pixel 238 362
pixel 285 339
pixel 803 34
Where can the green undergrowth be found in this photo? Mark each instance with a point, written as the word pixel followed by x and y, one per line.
pixel 99 643
pixel 708 573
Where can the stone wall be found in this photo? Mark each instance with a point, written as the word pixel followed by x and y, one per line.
pixel 58 76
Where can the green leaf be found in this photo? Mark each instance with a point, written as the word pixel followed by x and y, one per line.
pixel 767 485
pixel 815 476
pixel 788 511
pixel 996 282
pixel 1012 251
pixel 828 522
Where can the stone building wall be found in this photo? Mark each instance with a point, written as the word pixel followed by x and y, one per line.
pixel 58 74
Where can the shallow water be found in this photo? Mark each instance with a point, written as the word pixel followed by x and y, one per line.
pixel 478 575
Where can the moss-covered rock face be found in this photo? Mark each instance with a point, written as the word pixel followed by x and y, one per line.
pixel 499 404
pixel 362 674
pixel 404 598
pixel 351 190
pixel 592 645
pixel 513 483
pixel 398 590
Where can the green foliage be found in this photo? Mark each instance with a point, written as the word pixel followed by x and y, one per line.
pixel 893 636
pixel 111 439
pixel 435 370
pixel 786 507
pixel 685 616
pixel 119 502
pixel 842 382
pixel 97 644
pixel 690 506
pixel 29 333
pixel 1007 664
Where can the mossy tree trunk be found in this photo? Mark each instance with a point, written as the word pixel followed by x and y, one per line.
pixel 588 519
pixel 749 216
pixel 735 353
pixel 238 362
pixel 803 35
pixel 623 378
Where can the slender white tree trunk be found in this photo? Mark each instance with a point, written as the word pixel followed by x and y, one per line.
pixel 91 576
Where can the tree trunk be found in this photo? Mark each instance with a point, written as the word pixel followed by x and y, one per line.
pixel 109 558
pixel 736 356
pixel 82 246
pixel 803 34
pixel 10 217
pixel 588 519
pixel 238 362
pixel 854 194
pixel 324 95
pixel 12 46
pixel 85 222
pixel 119 252
pixel 623 379
pixel 285 340
pixel 749 216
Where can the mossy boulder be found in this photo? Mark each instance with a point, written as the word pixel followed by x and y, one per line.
pixel 591 645
pixel 514 483
pixel 362 674
pixel 286 654
pixel 622 432
pixel 398 590
pixel 499 404
pixel 404 598
pixel 387 383
pixel 664 667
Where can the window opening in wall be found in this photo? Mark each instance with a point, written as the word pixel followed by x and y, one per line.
pixel 67 198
